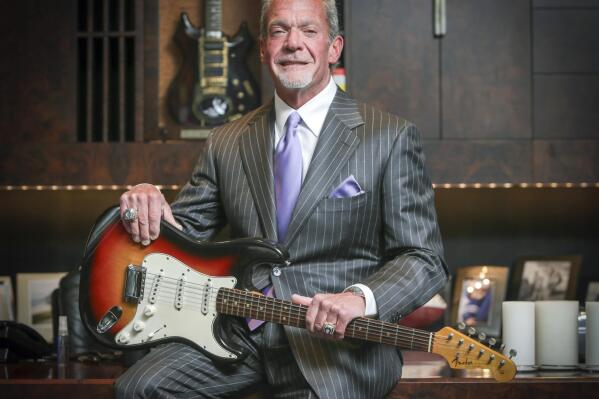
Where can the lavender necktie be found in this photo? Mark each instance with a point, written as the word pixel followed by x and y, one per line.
pixel 288 174
pixel 288 181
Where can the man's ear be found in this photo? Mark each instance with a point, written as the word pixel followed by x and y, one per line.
pixel 335 49
pixel 262 44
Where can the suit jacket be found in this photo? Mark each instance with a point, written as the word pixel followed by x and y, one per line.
pixel 386 237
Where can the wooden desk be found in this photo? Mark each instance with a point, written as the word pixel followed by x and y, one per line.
pixel 424 376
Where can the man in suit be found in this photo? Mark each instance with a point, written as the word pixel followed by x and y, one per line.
pixel 343 186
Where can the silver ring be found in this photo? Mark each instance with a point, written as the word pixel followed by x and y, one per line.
pixel 328 328
pixel 130 215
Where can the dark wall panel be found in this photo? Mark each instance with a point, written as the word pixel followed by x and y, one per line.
pixel 566 160
pixel 393 59
pixel 95 163
pixel 482 161
pixel 566 107
pixel 486 70
pixel 566 41
pixel 37 69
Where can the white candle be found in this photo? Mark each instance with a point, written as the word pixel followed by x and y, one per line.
pixel 592 335
pixel 519 332
pixel 556 334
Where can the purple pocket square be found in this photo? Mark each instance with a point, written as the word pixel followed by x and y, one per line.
pixel 348 188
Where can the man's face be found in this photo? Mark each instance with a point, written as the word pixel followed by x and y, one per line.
pixel 296 48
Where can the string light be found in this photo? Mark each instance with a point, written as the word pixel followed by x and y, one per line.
pixel 176 187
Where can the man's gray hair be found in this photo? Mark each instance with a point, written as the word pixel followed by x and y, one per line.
pixel 330 9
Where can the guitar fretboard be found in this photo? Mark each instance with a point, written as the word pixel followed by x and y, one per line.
pixel 212 16
pixel 256 306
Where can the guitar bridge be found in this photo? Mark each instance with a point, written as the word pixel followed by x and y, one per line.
pixel 135 277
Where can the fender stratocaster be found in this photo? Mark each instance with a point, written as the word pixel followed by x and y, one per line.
pixel 177 289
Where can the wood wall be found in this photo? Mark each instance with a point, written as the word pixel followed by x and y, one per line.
pixel 509 95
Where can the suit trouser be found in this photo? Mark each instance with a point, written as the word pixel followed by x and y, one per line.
pixel 179 371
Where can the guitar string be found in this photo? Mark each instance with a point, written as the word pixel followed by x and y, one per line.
pixel 406 342
pixel 418 335
pixel 369 330
pixel 246 297
pixel 422 336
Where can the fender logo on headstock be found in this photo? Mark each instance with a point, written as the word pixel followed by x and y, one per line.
pixel 456 362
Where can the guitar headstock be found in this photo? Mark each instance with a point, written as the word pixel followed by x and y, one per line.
pixel 464 352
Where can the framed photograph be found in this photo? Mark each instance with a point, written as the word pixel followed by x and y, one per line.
pixel 34 300
pixel 7 299
pixel 593 292
pixel 545 278
pixel 477 296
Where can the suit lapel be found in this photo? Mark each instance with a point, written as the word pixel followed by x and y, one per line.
pixel 255 147
pixel 336 142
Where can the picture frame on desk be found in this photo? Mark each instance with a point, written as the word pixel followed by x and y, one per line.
pixel 34 300
pixel 593 291
pixel 544 278
pixel 477 296
pixel 7 299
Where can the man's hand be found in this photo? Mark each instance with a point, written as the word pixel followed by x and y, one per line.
pixel 336 309
pixel 151 206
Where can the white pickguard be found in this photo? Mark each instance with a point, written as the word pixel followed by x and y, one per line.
pixel 177 302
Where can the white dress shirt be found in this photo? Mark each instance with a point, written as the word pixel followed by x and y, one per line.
pixel 313 114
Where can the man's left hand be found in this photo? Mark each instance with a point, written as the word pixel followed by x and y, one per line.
pixel 335 309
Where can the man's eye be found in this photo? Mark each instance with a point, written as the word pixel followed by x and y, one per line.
pixel 277 32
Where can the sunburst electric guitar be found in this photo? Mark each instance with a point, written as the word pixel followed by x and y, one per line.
pixel 177 289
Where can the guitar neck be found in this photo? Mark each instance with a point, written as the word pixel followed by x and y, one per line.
pixel 212 18
pixel 256 306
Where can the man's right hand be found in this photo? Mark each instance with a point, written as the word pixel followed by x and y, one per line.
pixel 150 206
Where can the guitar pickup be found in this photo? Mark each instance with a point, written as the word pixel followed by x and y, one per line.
pixel 214 45
pixel 213 58
pixel 135 277
pixel 214 72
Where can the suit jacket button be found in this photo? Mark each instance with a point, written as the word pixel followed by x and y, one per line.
pixel 276 272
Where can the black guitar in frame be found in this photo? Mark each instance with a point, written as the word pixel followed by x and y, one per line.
pixel 213 85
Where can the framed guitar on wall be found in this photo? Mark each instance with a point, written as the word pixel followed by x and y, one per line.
pixel 213 85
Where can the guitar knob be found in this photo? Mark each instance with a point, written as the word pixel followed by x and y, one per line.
pixel 461 326
pixel 149 310
pixel 513 353
pixel 139 325
pixel 492 341
pixel 471 331
pixel 482 336
pixel 124 338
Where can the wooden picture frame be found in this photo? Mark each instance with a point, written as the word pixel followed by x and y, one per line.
pixel 543 278
pixel 34 300
pixel 477 296
pixel 7 299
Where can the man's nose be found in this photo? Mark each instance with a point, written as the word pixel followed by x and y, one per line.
pixel 294 39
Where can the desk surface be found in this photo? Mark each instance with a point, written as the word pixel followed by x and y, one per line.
pixel 424 375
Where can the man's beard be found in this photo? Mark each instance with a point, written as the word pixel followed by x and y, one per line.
pixel 297 82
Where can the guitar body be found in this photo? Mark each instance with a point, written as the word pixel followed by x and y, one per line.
pixel 131 295
pixel 213 85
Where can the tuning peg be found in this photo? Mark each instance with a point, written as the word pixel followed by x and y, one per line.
pixel 492 341
pixel 471 331
pixel 482 336
pixel 501 348
pixel 513 353
pixel 461 326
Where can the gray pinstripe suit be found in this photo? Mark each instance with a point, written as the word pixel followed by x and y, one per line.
pixel 386 238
